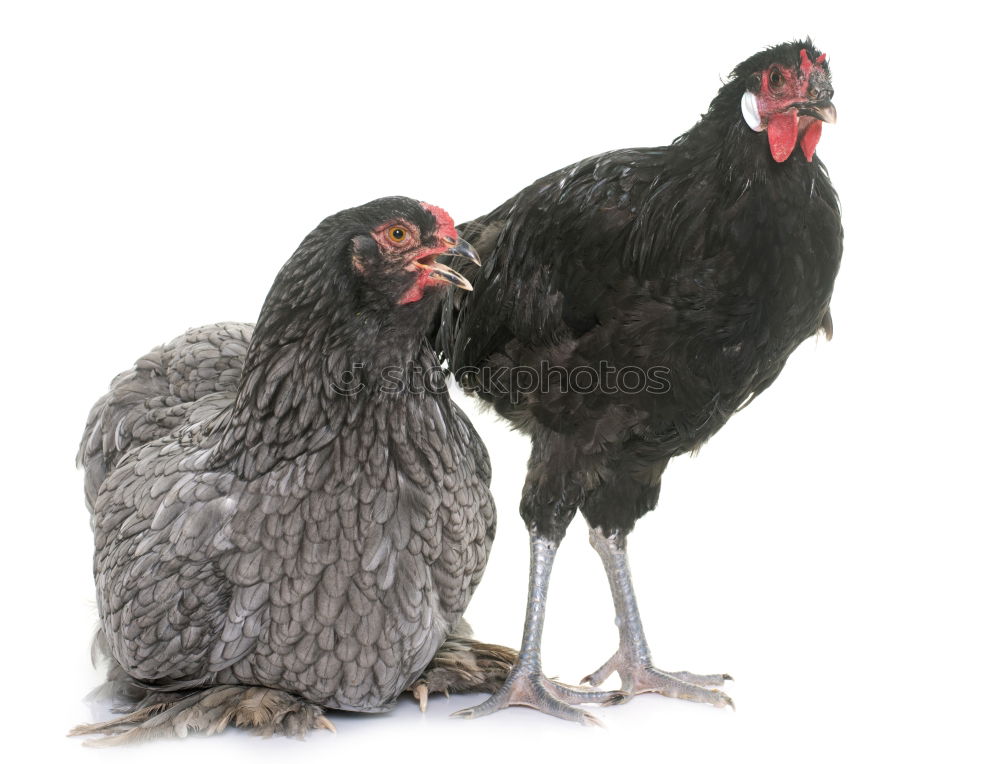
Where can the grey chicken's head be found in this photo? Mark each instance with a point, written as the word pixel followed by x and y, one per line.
pixel 394 245
pixel 365 264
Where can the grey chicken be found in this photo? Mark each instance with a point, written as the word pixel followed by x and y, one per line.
pixel 292 517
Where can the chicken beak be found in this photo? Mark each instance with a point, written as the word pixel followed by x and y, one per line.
pixel 822 110
pixel 462 248
pixel 820 104
pixel 441 272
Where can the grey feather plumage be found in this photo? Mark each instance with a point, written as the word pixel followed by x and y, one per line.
pixel 254 529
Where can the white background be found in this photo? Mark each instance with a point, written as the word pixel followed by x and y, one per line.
pixel 834 547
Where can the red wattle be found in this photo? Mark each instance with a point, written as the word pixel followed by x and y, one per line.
pixel 415 292
pixel 782 133
pixel 810 138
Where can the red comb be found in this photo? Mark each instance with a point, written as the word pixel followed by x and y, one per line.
pixel 807 65
pixel 446 226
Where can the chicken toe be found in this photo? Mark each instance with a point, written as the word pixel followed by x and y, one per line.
pixel 534 690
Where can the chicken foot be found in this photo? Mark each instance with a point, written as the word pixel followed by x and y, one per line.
pixel 526 685
pixel 265 711
pixel 633 661
pixel 463 664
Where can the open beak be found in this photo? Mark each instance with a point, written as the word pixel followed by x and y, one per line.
pixel 441 272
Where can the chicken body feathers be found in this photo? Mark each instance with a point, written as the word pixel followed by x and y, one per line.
pixel 704 258
pixel 166 388
pixel 335 575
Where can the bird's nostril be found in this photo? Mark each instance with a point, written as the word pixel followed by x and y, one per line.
pixel 451 241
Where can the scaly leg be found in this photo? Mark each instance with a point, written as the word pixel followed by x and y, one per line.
pixel 526 685
pixel 633 661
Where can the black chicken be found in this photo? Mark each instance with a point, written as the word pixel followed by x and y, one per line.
pixel 712 258
pixel 296 523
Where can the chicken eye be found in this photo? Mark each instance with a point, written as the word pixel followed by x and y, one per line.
pixel 775 78
pixel 398 234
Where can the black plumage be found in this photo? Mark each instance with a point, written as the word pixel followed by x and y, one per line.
pixel 702 264
pixel 270 515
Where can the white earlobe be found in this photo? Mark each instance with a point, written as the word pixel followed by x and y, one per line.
pixel 750 113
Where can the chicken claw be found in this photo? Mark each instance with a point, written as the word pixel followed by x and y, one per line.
pixel 532 689
pixel 637 679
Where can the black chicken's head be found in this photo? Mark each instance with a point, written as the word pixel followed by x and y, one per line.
pixel 787 92
pixel 394 246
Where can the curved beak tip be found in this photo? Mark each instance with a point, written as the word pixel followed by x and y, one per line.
pixel 463 249
pixel 825 111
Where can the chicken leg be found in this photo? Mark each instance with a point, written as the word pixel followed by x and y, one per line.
pixel 526 685
pixel 633 661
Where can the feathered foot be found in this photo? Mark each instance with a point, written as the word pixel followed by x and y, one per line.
pixel 464 665
pixel 264 711
pixel 638 678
